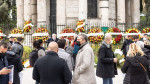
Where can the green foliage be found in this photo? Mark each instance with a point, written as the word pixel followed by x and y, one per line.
pixel 6 7
pixel 4 12
pixel 26 53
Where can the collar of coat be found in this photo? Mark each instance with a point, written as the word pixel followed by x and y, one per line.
pixel 60 49
pixel 17 43
pixel 52 53
pixel 81 46
pixel 107 45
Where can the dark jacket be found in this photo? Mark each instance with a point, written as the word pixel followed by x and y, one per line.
pixel 137 75
pixel 17 48
pixel 4 79
pixel 54 71
pixel 50 40
pixel 106 68
pixel 126 42
pixel 147 53
pixel 147 46
pixel 15 60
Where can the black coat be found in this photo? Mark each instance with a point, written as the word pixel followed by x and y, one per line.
pixel 147 46
pixel 15 60
pixel 50 69
pixel 50 40
pixel 17 48
pixel 3 78
pixel 106 68
pixel 126 42
pixel 137 74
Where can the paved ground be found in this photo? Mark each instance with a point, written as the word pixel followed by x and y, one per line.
pixel 27 77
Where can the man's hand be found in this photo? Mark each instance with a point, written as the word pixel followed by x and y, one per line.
pixel 10 82
pixel 115 60
pixel 5 71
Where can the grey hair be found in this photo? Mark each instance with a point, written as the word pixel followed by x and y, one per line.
pixel 84 37
pixel 107 37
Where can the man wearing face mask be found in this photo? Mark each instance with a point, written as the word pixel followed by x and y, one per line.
pixel 50 69
pixel 84 67
pixel 145 37
pixel 4 77
pixel 106 67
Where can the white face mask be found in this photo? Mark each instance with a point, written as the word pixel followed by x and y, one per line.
pixel 111 41
pixel 144 39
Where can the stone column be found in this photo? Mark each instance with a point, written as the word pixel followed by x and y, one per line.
pixel 27 10
pixel 121 14
pixel 41 11
pixel 48 14
pixel 60 14
pixel 135 12
pixel 20 13
pixel 82 9
pixel 34 11
pixel 128 13
pixel 104 10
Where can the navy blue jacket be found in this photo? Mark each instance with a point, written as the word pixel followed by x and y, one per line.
pixel 4 79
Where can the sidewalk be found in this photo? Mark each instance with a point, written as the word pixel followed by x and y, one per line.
pixel 27 77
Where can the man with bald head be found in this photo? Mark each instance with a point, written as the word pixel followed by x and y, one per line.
pixel 106 67
pixel 50 69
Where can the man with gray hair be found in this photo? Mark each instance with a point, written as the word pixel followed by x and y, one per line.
pixel 53 38
pixel 84 68
pixel 106 67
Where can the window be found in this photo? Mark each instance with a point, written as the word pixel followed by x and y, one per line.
pixel 92 8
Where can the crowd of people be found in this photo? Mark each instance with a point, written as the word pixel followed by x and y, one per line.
pixel 65 62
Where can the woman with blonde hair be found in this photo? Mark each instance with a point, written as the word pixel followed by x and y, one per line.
pixel 135 66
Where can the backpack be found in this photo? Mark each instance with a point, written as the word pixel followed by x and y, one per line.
pixel 33 57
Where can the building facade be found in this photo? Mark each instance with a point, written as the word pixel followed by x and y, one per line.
pixel 48 12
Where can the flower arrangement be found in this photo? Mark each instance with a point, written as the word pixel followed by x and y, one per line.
pixel 116 39
pixel 146 30
pixel 132 30
pixel 39 33
pixel 16 31
pixel 68 30
pixel 95 39
pixel 27 26
pixel 26 64
pixel 41 30
pixel 1 34
pixel 80 26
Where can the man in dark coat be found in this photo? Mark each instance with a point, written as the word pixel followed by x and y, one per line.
pixel 54 38
pixel 4 72
pixel 50 69
pixel 106 67
pixel 126 44
pixel 17 47
pixel 14 59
